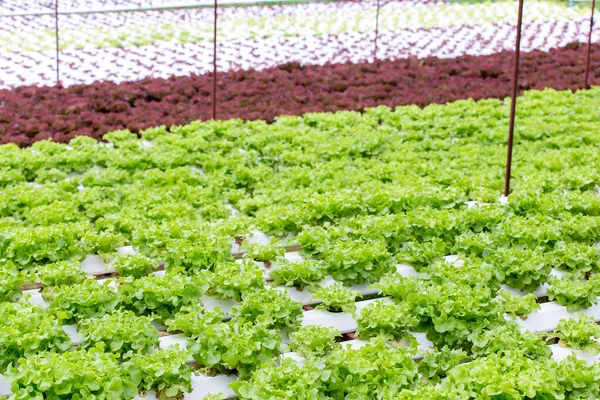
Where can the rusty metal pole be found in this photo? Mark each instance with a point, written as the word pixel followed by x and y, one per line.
pixel 589 48
pixel 214 91
pixel 376 32
pixel 57 41
pixel 513 103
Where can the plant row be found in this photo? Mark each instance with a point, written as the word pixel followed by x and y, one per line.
pixel 143 28
pixel 164 60
pixel 33 113
pixel 479 340
pixel 501 357
pixel 360 192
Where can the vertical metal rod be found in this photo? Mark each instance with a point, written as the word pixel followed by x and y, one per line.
pixel 589 48
pixel 376 32
pixel 513 103
pixel 214 91
pixel 57 41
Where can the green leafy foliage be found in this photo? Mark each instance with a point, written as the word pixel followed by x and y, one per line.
pixel 474 244
pixel 536 232
pixel 165 371
pixel 579 378
pixel 263 252
pixel 519 306
pixel 161 296
pixel 25 330
pixel 314 340
pixel 576 256
pixel 215 396
pixel 469 271
pixel 400 287
pixel 390 320
pixel 10 279
pixel 104 243
pixel 509 375
pixel 373 368
pixel 358 261
pixel 284 381
pixel 298 274
pixel 579 333
pixel 451 312
pixel 336 298
pixel 120 138
pixel 60 273
pixel 194 320
pixel 121 332
pixel 574 292
pixel 360 192
pixel 421 254
pixel 27 246
pixel 435 364
pixel 231 280
pixel 504 337
pixel 88 374
pixel 523 269
pixel 447 311
pixel 272 306
pixel 89 299
pixel 314 240
pixel 239 345
pixel 134 265
pixel 196 252
pixel 514 376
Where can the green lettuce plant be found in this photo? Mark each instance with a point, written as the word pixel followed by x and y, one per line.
pixel 314 340
pixel 60 273
pixel 121 332
pixel 161 296
pixel 580 333
pixel 134 265
pixel 298 274
pixel 273 306
pixel 574 292
pixel 88 374
pixel 26 330
pixel 336 298
pixel 165 371
pixel 89 299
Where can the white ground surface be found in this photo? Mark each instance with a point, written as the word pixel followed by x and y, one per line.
pixel 193 25
pixel 125 46
pixel 165 60
pixel 19 7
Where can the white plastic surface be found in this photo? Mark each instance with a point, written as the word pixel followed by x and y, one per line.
pixel 559 353
pixel 93 264
pixel 541 290
pixel 4 387
pixel 203 385
pixel 165 59
pixel 546 319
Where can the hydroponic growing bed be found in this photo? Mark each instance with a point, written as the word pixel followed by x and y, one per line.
pixel 329 256
pixel 125 46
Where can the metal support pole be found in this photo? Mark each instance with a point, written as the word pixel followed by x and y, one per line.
pixel 376 32
pixel 589 48
pixel 513 103
pixel 57 41
pixel 214 91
